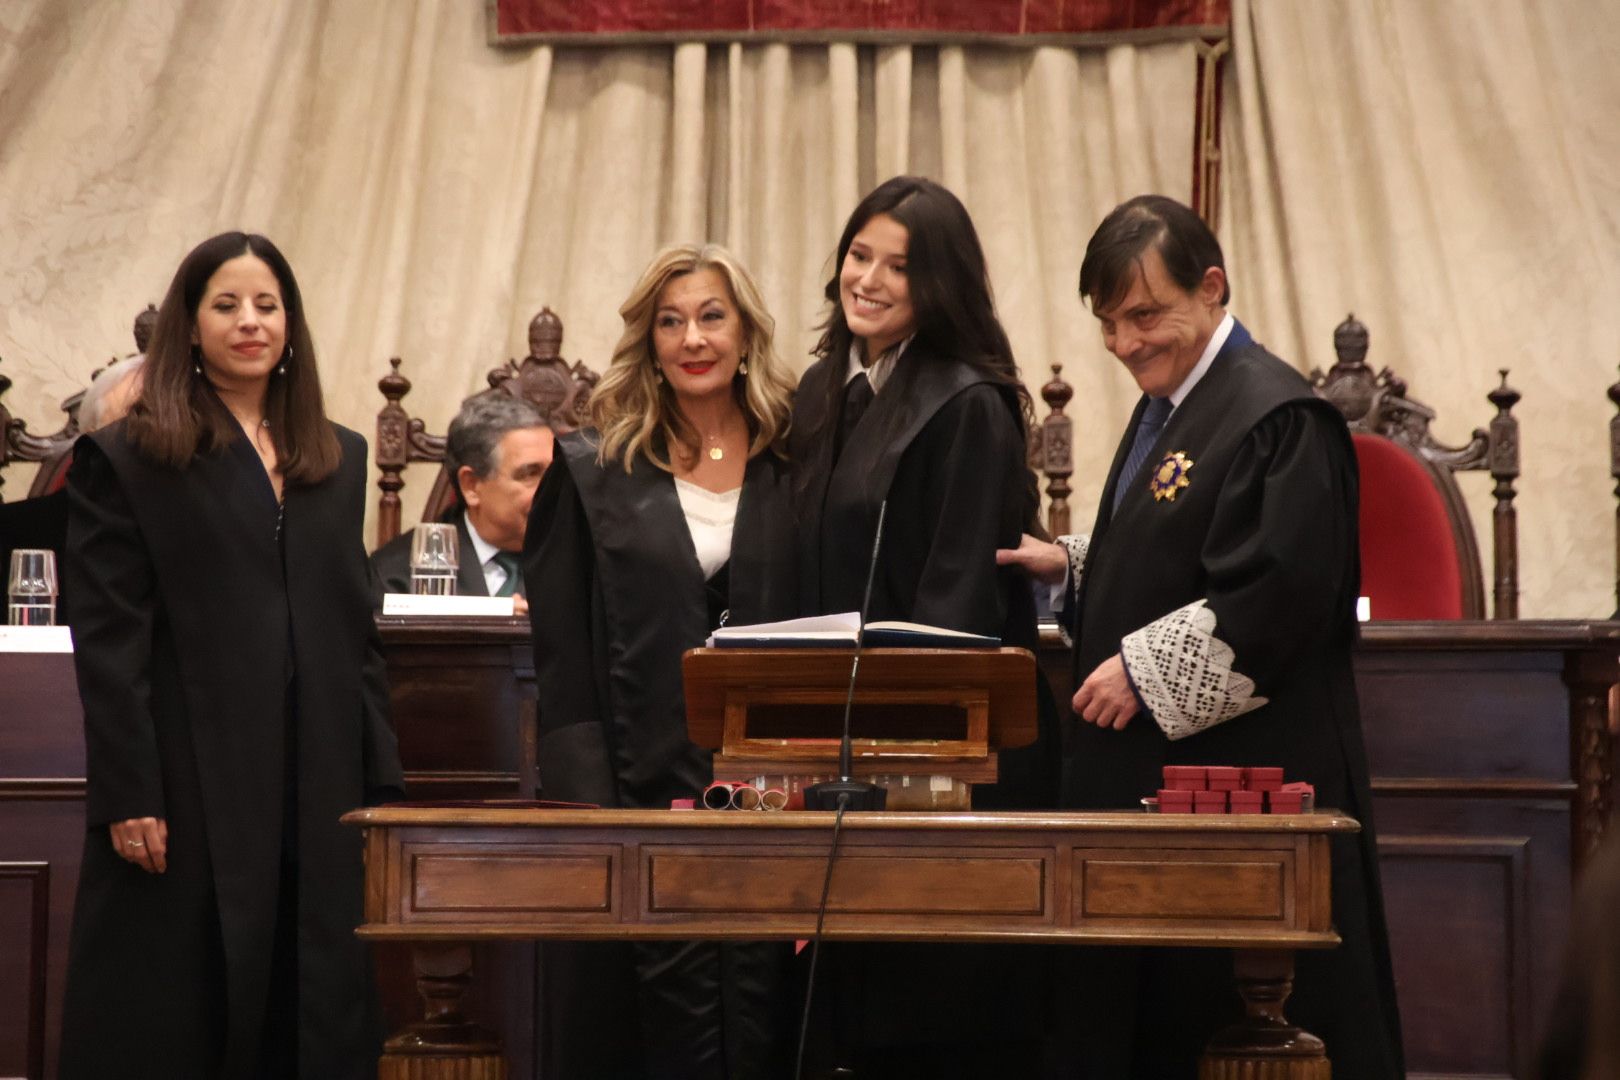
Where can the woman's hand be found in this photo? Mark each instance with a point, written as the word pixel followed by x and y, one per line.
pixel 1044 562
pixel 143 841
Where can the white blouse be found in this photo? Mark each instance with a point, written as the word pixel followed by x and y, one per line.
pixel 710 517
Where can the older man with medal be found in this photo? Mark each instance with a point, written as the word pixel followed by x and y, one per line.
pixel 1212 610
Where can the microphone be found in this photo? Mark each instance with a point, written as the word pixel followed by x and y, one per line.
pixel 848 793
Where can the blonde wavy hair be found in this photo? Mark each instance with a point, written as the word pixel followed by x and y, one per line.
pixel 636 413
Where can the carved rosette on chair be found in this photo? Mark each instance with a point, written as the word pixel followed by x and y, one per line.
pixel 543 378
pixel 1392 428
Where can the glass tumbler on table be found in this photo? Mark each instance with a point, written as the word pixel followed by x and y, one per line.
pixel 435 557
pixel 31 588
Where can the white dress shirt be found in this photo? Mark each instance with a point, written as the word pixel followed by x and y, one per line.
pixel 494 572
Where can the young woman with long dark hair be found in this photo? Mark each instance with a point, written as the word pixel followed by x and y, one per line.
pixel 234 701
pixel 916 400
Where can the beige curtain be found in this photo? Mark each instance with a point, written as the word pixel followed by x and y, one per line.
pixel 1449 171
pixel 433 192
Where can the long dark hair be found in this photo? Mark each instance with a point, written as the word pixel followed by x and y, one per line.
pixel 178 415
pixel 949 283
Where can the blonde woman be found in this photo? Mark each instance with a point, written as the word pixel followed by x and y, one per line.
pixel 671 509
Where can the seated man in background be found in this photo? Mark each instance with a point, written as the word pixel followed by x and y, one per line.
pixel 41 522
pixel 496 452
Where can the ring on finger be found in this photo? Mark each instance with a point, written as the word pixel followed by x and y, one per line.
pixel 134 843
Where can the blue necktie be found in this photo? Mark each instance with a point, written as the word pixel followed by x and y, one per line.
pixel 1147 433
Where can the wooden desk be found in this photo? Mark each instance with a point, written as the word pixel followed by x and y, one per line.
pixel 442 878
pixel 1492 768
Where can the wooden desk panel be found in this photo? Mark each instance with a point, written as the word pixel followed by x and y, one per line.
pixel 1256 884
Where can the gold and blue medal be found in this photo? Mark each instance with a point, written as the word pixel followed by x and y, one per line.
pixel 1170 476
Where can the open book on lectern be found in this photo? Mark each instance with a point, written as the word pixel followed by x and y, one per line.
pixel 839 632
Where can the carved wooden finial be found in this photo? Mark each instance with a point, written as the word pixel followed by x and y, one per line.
pixel 1055 448
pixel 545 335
pixel 1504 397
pixel 1350 341
pixel 144 323
pixel 394 385
pixel 1057 393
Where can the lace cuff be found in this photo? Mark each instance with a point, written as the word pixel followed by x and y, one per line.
pixel 1183 672
pixel 1076 547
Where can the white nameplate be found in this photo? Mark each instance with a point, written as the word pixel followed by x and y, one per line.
pixel 36 639
pixel 1363 608
pixel 411 604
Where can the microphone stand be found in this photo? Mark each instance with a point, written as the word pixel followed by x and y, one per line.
pixel 846 792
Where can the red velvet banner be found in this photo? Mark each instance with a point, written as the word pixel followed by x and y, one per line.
pixel 605 22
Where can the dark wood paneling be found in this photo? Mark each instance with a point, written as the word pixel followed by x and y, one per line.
pixel 24 942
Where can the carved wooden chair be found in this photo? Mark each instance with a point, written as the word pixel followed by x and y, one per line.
pixel 559 390
pixel 54 452
pixel 1419 558
pixel 1051 451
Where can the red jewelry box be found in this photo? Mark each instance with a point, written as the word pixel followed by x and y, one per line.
pixel 1185 777
pixel 1224 778
pixel 1262 778
pixel 1209 802
pixel 1173 801
pixel 1246 802
pixel 1284 802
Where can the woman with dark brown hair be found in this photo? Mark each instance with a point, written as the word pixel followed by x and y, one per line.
pixel 233 698
pixel 916 402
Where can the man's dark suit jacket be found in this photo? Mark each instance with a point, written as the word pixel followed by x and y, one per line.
pixel 392 562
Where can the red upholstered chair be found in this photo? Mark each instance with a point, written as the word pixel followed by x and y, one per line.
pixel 559 390
pixel 1419 558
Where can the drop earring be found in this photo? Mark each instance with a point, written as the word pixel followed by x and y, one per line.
pixel 282 369
pixel 742 366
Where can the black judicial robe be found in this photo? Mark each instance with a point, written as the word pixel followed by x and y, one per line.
pixel 1266 534
pixel 196 639
pixel 946 448
pixel 616 597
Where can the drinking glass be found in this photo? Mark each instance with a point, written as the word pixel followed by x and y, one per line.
pixel 31 592
pixel 435 557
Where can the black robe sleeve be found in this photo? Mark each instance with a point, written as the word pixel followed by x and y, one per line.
pixel 384 776
pixel 110 578
pixel 1278 563
pixel 559 574
pixel 1280 542
pixel 974 449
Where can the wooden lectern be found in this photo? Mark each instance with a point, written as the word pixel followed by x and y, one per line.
pixel 926 723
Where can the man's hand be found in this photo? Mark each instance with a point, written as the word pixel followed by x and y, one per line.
pixel 520 606
pixel 1106 698
pixel 1044 562
pixel 142 841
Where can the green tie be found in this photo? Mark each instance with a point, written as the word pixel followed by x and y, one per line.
pixel 508 561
